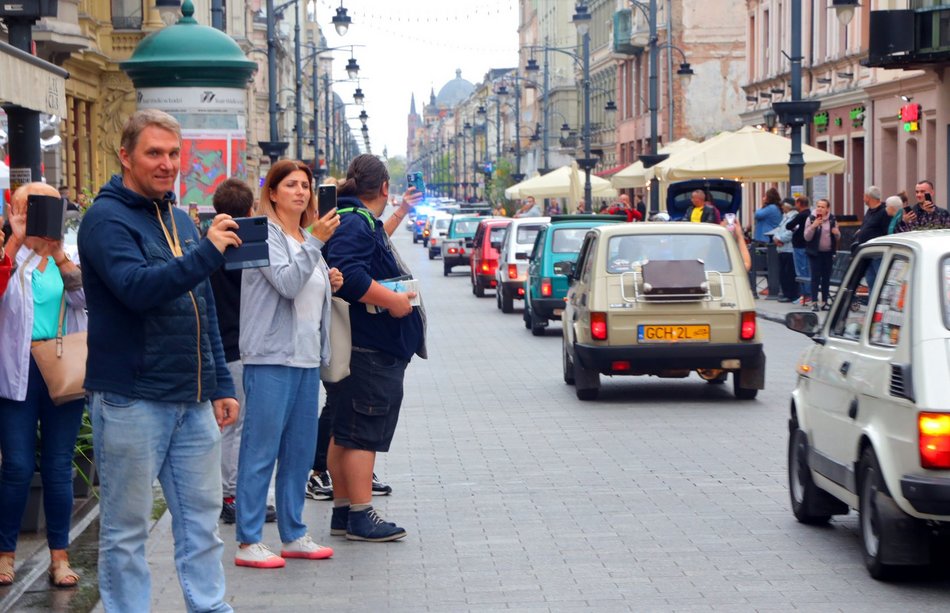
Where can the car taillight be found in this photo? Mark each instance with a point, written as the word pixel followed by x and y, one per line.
pixel 748 326
pixel 934 440
pixel 425 233
pixel 512 271
pixel 598 326
pixel 453 250
pixel 546 287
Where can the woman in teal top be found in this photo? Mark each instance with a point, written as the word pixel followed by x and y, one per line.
pixel 29 312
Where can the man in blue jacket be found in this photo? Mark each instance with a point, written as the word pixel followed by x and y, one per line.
pixel 159 387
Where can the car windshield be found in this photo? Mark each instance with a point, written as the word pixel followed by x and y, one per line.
pixel 526 234
pixel 465 227
pixel 568 240
pixel 623 252
pixel 945 276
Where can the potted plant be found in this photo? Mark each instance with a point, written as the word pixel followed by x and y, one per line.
pixel 83 462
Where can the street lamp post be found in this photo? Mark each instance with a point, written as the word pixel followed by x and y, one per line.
pixel 582 20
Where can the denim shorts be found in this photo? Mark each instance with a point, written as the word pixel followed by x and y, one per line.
pixel 366 404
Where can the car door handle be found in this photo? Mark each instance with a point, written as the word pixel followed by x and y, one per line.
pixel 853 409
pixel 845 367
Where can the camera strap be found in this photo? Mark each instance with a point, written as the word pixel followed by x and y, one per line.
pixel 174 243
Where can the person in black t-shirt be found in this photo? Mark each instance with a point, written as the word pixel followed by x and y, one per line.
pixel 799 255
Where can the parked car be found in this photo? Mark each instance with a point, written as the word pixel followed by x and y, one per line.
pixel 661 299
pixel 513 260
pixel 437 227
pixel 559 241
pixel 870 424
pixel 419 223
pixel 488 238
pixel 457 244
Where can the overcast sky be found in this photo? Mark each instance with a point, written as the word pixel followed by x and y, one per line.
pixel 412 46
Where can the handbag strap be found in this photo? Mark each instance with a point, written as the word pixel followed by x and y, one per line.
pixel 59 326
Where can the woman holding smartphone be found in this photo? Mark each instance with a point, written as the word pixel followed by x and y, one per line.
pixel 821 234
pixel 284 339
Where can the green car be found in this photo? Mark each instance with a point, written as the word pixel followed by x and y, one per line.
pixel 558 241
pixel 457 245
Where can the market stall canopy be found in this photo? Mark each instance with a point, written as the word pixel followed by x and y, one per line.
pixel 635 175
pixel 46 91
pixel 565 182
pixel 748 154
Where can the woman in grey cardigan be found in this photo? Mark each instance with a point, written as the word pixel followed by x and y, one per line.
pixel 285 318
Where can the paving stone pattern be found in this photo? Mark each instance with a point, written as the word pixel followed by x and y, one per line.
pixel 664 495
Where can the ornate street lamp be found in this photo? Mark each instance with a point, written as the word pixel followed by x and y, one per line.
pixel 358 96
pixel 352 68
pixel 341 21
pixel 844 10
pixel 581 20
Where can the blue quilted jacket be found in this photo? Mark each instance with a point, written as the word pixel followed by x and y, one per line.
pixel 153 331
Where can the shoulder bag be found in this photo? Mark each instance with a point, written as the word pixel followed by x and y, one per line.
pixel 341 342
pixel 62 362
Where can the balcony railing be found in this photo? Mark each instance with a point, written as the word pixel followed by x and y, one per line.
pixel 127 22
pixel 910 38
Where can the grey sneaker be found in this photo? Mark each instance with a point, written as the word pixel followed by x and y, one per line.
pixel 380 488
pixel 320 486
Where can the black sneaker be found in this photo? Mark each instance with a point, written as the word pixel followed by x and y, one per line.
pixel 320 486
pixel 368 526
pixel 228 512
pixel 271 515
pixel 380 488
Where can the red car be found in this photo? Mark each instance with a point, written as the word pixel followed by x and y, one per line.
pixel 484 261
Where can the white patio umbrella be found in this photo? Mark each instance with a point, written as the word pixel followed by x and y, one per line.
pixel 564 182
pixel 635 175
pixel 748 154
pixel 4 176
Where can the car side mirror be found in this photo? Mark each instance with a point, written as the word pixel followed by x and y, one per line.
pixel 564 267
pixel 496 245
pixel 521 256
pixel 803 322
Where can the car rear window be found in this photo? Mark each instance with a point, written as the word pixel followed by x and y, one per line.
pixel 625 251
pixel 568 240
pixel 945 293
pixel 442 224
pixel 526 234
pixel 466 226
pixel 498 234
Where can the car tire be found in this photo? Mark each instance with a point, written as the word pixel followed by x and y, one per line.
pixel 478 289
pixel 810 504
pixel 568 365
pixel 498 296
pixel 742 393
pixel 507 301
pixel 536 324
pixel 873 543
pixel 414 240
pixel 586 382
pixel 446 269
pixel 431 255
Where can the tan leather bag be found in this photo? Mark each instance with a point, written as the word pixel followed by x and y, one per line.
pixel 341 342
pixel 62 362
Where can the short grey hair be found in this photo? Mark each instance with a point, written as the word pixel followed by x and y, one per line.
pixel 142 119
pixel 893 203
pixel 874 192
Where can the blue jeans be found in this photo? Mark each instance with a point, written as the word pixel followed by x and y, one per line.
pixel 800 256
pixel 280 425
pixel 59 426
pixel 136 441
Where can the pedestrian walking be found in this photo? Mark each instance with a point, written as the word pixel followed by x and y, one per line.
pixel 232 197
pixel 285 339
pixel 158 382
pixel 47 286
pixel 822 234
pixel 366 403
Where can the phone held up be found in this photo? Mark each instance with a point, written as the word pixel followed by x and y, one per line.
pixel 326 199
pixel 414 179
pixel 928 197
pixel 730 220
pixel 253 252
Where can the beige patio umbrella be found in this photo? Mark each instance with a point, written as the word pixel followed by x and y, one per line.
pixel 513 192
pixel 748 154
pixel 564 182
pixel 635 175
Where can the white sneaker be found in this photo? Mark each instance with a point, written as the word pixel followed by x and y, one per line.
pixel 257 555
pixel 306 549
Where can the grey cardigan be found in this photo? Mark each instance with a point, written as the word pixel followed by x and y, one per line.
pixel 268 318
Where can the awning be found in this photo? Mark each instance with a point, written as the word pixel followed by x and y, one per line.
pixel 609 172
pixel 31 83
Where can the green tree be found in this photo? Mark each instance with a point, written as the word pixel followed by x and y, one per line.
pixel 397 174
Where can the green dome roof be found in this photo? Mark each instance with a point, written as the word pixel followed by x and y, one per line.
pixel 188 54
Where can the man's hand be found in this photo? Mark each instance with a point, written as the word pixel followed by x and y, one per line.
pixel 324 227
pixel 909 216
pixel 336 279
pixel 222 232
pixel 18 221
pixel 226 411
pixel 409 199
pixel 400 306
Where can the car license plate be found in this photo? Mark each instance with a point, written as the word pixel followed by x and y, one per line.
pixel 695 333
pixel 558 312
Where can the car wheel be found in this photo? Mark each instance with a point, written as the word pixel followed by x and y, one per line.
pixel 507 301
pixel 568 365
pixel 742 393
pixel 431 255
pixel 586 383
pixel 525 317
pixel 871 484
pixel 446 269
pixel 414 240
pixel 536 324
pixel 478 289
pixel 810 504
pixel 498 296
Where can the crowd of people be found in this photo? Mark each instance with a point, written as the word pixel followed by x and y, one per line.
pixel 203 378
